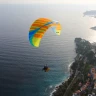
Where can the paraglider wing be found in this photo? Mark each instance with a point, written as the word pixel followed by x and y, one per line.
pixel 38 29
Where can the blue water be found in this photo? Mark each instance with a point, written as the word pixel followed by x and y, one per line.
pixel 21 64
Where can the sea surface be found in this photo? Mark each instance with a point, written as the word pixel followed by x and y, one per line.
pixel 21 64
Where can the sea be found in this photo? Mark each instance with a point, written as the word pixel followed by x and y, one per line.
pixel 21 64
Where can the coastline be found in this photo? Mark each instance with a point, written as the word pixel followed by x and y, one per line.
pixel 57 85
pixel 85 52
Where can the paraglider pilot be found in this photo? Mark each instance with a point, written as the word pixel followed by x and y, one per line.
pixel 45 68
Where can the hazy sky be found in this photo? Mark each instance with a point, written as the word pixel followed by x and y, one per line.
pixel 48 1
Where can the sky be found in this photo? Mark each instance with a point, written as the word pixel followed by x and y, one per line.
pixel 48 1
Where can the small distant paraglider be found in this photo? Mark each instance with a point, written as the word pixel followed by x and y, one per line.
pixel 39 27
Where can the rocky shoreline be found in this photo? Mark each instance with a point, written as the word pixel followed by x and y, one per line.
pixel 79 70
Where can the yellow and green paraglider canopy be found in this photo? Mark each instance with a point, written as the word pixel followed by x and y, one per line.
pixel 39 27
